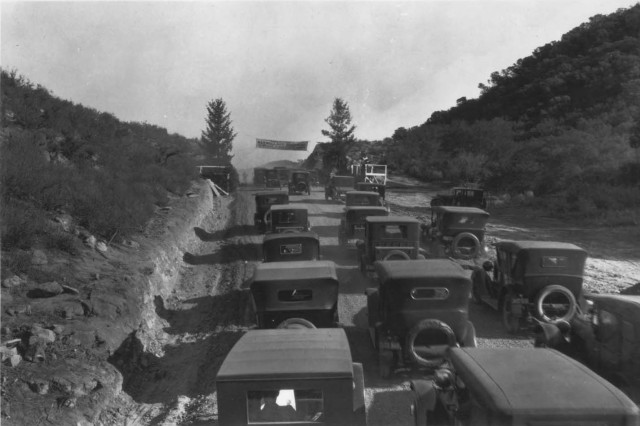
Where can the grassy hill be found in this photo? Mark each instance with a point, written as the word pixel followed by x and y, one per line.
pixel 62 161
pixel 563 123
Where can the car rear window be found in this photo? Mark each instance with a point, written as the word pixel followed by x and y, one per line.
pixel 290 249
pixel 394 231
pixel 554 262
pixel 295 295
pixel 285 406
pixel 429 293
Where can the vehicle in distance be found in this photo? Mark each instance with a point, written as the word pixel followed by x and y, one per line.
pixel 456 232
pixel 300 183
pixel 287 218
pixel 338 186
pixel 264 201
pixel 462 196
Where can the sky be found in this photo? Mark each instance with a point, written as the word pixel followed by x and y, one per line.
pixel 278 66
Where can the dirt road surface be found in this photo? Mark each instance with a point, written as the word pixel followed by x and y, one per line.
pixel 208 312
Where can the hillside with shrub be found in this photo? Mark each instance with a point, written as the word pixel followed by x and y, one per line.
pixel 563 122
pixel 61 159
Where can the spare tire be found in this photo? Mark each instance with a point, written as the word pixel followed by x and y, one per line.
pixel 296 323
pixel 432 357
pixel 396 255
pixel 460 248
pixel 301 187
pixel 549 298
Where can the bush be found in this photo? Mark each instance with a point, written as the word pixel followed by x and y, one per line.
pixel 21 224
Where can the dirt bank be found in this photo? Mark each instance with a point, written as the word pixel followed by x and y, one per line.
pixel 109 296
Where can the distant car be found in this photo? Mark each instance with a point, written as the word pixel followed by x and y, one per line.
pixel 352 224
pixel 338 186
pixel 463 197
pixel 419 310
pixel 456 232
pixel 300 183
pixel 295 294
pixel 291 376
pixel 389 238
pixel 283 175
pixel 518 386
pixel 375 187
pixel 287 218
pixel 606 337
pixel 286 247
pixel 264 201
pixel 271 178
pixel 532 280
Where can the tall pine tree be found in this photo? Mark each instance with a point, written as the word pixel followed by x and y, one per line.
pixel 341 135
pixel 218 137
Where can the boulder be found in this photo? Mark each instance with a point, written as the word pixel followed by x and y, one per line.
pixel 37 332
pixel 13 360
pixel 35 351
pixel 39 386
pixel 101 246
pixel 12 281
pixel 49 289
pixel 90 241
pixel 6 352
pixel 38 257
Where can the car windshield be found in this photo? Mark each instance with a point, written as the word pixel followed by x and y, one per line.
pixel 285 406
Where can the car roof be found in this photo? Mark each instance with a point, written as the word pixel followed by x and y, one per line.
pixel 278 192
pixel 537 381
pixel 464 187
pixel 288 207
pixel 626 298
pixel 366 208
pixel 288 354
pixel 457 209
pixel 515 246
pixel 391 219
pixel 363 193
pixel 428 268
pixel 291 235
pixel 295 270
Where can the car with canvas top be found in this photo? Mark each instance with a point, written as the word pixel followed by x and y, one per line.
pixel 295 294
pixel 532 281
pixel 518 386
pixel 264 201
pixel 457 232
pixel 287 218
pixel 419 309
pixel 293 377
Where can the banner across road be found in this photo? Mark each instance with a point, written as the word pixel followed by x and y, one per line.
pixel 284 145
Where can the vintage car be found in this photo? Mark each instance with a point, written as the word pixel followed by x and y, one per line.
pixel 606 337
pixel 300 183
pixel 285 247
pixel 287 218
pixel 420 309
pixel 337 187
pixel 461 196
pixel 456 232
pixel 264 201
pixel 352 224
pixel 295 294
pixel 532 280
pixel 297 377
pixel 518 386
pixel 389 238
pixel 283 175
pixel 371 186
pixel 271 179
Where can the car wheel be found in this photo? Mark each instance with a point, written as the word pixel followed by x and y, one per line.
pixel 555 303
pixel 478 285
pixel 396 255
pixel 429 352
pixel 510 320
pixel 465 245
pixel 469 338
pixel 296 323
pixel 363 265
pixel 385 363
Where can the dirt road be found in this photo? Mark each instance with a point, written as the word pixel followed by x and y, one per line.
pixel 208 312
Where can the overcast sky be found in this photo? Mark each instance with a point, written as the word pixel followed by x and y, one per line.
pixel 278 65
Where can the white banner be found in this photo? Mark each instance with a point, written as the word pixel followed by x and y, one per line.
pixel 284 145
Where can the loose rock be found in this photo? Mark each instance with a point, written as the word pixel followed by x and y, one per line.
pixel 35 351
pixel 101 246
pixel 39 386
pixel 37 332
pixel 13 281
pixel 38 258
pixel 90 241
pixel 49 289
pixel 6 352
pixel 13 360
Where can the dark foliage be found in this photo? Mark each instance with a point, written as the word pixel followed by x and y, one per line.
pixel 58 156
